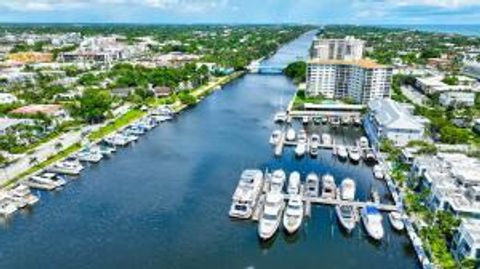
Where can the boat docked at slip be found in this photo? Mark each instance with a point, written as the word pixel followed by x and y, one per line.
pixel 300 149
pixel 105 149
pixel 117 140
pixel 311 185
pixel 364 143
pixel 357 121
pixel 293 183
pixel 314 145
pixel 53 178
pixel 89 155
pixel 129 136
pixel 7 206
pixel 275 137
pixel 280 117
pixel 346 216
pixel 324 120
pixel 305 120
pixel 277 180
pixel 354 154
pixel 347 189
pixel 302 136
pixel 272 215
pixel 372 221
pixel 342 152
pixel 396 220
pixel 378 172
pixel 69 166
pixel 326 139
pixel 246 194
pixel 346 120
pixel 370 156
pixel 293 215
pixel 291 134
pixel 136 130
pixel 23 196
pixel 374 195
pixel 334 121
pixel 329 188
pixel 317 121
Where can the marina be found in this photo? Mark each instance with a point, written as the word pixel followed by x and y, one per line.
pixel 176 183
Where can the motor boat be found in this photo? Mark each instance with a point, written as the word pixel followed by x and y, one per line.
pixel 89 155
pixel 305 120
pixel 342 152
pixel 117 140
pixel 105 149
pixel 293 183
pixel 346 120
pixel 249 186
pixel 293 215
pixel 378 172
pixel 311 185
pixel 347 189
pixel 370 156
pixel 354 154
pixel 7 206
pixel 69 166
pixel 300 149
pixel 241 209
pixel 291 134
pixel 57 180
pixel 372 221
pixel 317 121
pixel 326 139
pixel 346 216
pixel 324 120
pixel 129 136
pixel 364 143
pixel 314 144
pixel 280 117
pixel 396 220
pixel 302 136
pixel 374 195
pixel 357 121
pixel 275 137
pixel 329 189
pixel 334 121
pixel 277 181
pixel 23 194
pixel 271 217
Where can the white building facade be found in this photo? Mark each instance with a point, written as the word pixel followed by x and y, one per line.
pixel 457 99
pixel 349 48
pixel 466 241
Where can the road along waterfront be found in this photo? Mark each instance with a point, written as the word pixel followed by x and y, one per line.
pixel 163 202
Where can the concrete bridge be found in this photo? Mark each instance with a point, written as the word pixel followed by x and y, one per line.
pixel 259 68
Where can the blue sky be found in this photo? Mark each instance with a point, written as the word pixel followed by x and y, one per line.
pixel 244 11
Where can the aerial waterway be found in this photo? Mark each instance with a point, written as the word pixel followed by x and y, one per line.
pixel 163 202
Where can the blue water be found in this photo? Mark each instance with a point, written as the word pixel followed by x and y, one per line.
pixel 163 202
pixel 470 30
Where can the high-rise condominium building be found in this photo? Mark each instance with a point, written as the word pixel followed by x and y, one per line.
pixel 349 49
pixel 361 80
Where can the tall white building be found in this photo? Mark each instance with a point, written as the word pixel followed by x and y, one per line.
pixel 361 80
pixel 349 49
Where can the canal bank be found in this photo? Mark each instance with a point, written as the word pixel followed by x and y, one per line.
pixel 162 202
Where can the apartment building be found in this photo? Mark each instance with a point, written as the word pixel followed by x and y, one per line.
pixel 349 49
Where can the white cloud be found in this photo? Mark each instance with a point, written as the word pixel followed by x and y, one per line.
pixel 49 5
pixel 436 3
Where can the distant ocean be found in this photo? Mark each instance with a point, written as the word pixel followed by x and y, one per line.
pixel 471 30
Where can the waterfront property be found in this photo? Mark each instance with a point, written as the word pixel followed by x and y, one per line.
pixel 434 84
pixel 360 80
pixel 453 182
pixel 466 241
pixel 388 119
pixel 348 48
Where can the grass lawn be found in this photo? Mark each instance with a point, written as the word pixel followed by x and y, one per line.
pixel 120 122
pixel 301 99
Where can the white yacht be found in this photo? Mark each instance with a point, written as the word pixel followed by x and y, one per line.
pixel 346 216
pixel 241 209
pixel 57 180
pixel 357 121
pixel 346 120
pixel 370 156
pixel 342 152
pixel 335 121
pixel 7 206
pixel 354 154
pixel 129 137
pixel 272 215
pixel 275 137
pixel 291 134
pixel 396 220
pixel 300 149
pixel 311 185
pixel 293 215
pixel 326 139
pixel 364 142
pixel 135 130
pixel 89 155
pixel 378 172
pixel 41 183
pixel 293 183
pixel 372 220
pixel 105 149
pixel 249 186
pixel 69 166
pixel 277 180
pixel 374 195
pixel 302 136
pixel 22 193
pixel 329 189
pixel 347 189
pixel 305 120
pixel 280 117
pixel 324 120
pixel 117 140
pixel 314 144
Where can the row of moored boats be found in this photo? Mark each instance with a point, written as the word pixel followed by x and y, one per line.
pixel 283 117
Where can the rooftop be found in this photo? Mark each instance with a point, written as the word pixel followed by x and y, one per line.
pixel 34 109
pixel 391 114
pixel 364 63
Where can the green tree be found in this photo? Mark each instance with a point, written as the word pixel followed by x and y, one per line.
pixel 93 105
pixel 296 71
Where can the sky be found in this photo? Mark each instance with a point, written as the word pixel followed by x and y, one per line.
pixel 243 11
